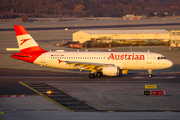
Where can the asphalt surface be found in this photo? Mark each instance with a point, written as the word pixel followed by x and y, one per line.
pixel 95 26
pixel 9 79
pixel 9 85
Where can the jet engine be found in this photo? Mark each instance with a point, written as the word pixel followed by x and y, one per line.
pixel 110 71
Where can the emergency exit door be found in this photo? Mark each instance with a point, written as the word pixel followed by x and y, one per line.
pixel 149 59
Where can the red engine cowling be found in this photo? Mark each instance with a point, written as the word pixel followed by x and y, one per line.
pixel 110 71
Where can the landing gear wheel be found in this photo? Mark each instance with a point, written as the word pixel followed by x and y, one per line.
pixel 99 74
pixel 91 75
pixel 150 75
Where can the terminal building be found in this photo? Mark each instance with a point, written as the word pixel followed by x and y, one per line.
pixel 175 38
pixel 108 36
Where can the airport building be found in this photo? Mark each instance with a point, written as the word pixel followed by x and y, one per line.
pixel 175 38
pixel 108 36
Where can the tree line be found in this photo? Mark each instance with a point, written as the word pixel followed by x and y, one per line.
pixel 87 8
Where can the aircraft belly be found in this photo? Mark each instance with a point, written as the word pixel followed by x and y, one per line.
pixel 139 65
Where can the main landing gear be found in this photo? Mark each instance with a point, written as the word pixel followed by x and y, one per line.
pixel 150 74
pixel 91 75
pixel 98 74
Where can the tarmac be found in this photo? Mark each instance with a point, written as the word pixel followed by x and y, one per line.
pixel 36 106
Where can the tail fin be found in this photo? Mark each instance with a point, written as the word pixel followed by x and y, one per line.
pixel 25 41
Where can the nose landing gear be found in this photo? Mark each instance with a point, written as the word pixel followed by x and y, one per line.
pixel 150 74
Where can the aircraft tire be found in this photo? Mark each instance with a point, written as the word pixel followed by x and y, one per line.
pixel 99 74
pixel 91 75
pixel 150 76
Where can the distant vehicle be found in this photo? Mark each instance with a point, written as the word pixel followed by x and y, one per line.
pixel 79 45
pixel 99 63
pixel 71 42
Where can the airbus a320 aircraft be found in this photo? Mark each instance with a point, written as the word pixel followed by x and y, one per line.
pixel 99 63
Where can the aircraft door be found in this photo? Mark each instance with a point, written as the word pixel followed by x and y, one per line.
pixel 104 59
pixel 43 58
pixel 149 58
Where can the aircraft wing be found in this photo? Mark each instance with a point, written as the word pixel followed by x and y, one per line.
pixel 87 65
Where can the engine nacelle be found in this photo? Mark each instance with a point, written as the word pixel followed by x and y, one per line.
pixel 110 71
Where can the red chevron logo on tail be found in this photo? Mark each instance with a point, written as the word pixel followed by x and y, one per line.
pixel 24 40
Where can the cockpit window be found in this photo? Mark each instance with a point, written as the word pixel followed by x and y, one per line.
pixel 160 58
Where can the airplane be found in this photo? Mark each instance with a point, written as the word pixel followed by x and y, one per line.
pixel 99 63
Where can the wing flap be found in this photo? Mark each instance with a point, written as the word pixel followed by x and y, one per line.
pixel 87 65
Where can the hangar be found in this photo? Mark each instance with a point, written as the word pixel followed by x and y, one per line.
pixel 175 38
pixel 118 35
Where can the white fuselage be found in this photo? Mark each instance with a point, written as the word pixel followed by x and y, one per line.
pixel 106 63
pixel 123 60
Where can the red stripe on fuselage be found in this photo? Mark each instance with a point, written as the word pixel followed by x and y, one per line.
pixel 29 54
pixel 27 57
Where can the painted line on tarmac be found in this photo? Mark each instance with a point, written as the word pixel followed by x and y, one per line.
pixel 32 109
pixel 138 77
pixel 45 96
pixel 63 101
pixel 13 96
pixel 88 81
pixel 170 77
pixel 2 112
pixel 43 77
pixel 16 110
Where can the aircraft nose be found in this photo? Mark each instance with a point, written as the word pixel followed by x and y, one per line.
pixel 170 63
